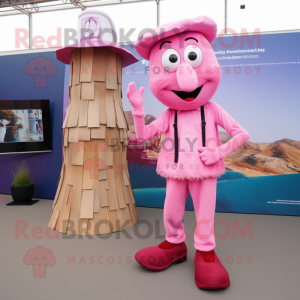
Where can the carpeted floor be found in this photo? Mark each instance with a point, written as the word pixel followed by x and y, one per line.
pixel 263 266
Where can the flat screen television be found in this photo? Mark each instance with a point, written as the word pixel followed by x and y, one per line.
pixel 25 126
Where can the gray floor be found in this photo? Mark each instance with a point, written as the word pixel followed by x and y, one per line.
pixel 273 272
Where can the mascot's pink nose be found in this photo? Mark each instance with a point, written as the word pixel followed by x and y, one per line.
pixel 186 77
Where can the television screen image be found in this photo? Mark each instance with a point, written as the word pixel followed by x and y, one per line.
pixel 21 125
pixel 35 125
pixel 25 126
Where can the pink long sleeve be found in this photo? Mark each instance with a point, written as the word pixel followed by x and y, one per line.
pixel 239 137
pixel 159 126
pixel 232 127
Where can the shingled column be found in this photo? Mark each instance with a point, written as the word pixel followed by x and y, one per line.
pixel 94 194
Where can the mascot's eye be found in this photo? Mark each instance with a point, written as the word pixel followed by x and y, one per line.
pixel 170 60
pixel 173 58
pixel 193 55
pixel 45 68
pixel 43 258
pixel 36 68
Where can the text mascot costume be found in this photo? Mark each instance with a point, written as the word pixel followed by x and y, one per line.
pixel 184 75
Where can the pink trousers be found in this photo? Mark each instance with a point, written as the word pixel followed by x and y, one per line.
pixel 203 193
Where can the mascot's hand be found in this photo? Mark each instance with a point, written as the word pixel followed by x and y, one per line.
pixel 134 97
pixel 209 155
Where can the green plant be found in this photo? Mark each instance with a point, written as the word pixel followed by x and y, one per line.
pixel 21 175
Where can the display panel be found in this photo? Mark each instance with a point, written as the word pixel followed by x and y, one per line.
pixel 25 126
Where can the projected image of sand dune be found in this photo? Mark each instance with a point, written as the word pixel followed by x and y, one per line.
pixel 258 159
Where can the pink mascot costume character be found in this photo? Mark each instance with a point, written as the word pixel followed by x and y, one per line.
pixel 184 75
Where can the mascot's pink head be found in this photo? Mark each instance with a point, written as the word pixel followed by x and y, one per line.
pixel 184 72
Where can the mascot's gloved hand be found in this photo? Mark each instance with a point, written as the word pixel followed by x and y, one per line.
pixel 209 155
pixel 135 98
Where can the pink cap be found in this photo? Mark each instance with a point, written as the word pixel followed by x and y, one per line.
pixel 96 29
pixel 64 54
pixel 202 24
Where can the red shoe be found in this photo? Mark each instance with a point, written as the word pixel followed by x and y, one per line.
pixel 209 272
pixel 162 256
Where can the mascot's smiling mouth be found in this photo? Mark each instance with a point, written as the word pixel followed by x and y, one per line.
pixel 188 96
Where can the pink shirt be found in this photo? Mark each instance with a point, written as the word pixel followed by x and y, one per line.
pixel 189 164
